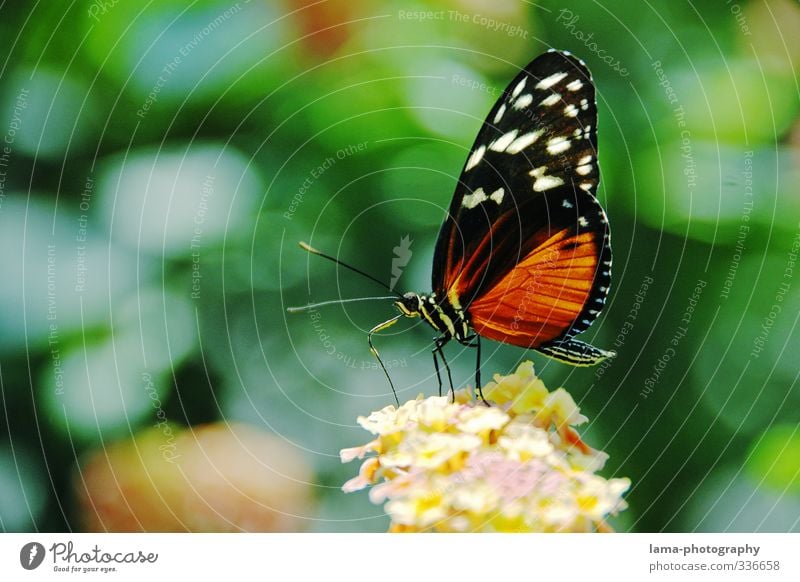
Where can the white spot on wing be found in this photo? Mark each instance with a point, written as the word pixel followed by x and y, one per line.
pixel 499 115
pixel 520 86
pixel 567 204
pixel 547 182
pixel 523 101
pixel 571 111
pixel 551 99
pixel 502 142
pixel 584 160
pixel 523 141
pixel 538 172
pixel 558 145
pixel 584 104
pixel 575 85
pixel 548 82
pixel 585 186
pixel 584 170
pixel 582 221
pixel 476 157
pixel 497 195
pixel 472 200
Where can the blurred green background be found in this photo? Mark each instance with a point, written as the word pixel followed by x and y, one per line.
pixel 161 160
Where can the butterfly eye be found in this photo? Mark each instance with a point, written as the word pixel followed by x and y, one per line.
pixel 409 305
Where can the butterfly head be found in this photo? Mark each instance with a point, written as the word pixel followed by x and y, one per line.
pixel 410 304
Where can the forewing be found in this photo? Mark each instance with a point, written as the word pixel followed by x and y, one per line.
pixel 538 139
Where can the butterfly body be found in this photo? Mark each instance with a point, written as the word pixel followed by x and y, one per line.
pixel 524 255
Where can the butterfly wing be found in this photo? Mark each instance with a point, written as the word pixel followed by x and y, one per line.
pixel 525 249
pixel 560 283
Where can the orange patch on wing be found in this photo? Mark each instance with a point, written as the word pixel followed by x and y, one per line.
pixel 543 295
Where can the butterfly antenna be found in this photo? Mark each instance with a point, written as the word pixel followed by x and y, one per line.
pixel 335 302
pixel 313 251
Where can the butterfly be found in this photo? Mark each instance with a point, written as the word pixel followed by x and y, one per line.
pixel 524 254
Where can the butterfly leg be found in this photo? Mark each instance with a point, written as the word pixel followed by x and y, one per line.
pixel 474 341
pixel 380 327
pixel 440 342
pixel 436 367
pixel 478 370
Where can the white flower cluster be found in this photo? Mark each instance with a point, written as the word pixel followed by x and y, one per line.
pixel 518 465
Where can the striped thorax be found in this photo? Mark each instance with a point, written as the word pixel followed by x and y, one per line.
pixel 442 316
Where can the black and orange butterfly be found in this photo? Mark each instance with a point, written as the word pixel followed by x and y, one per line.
pixel 524 256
